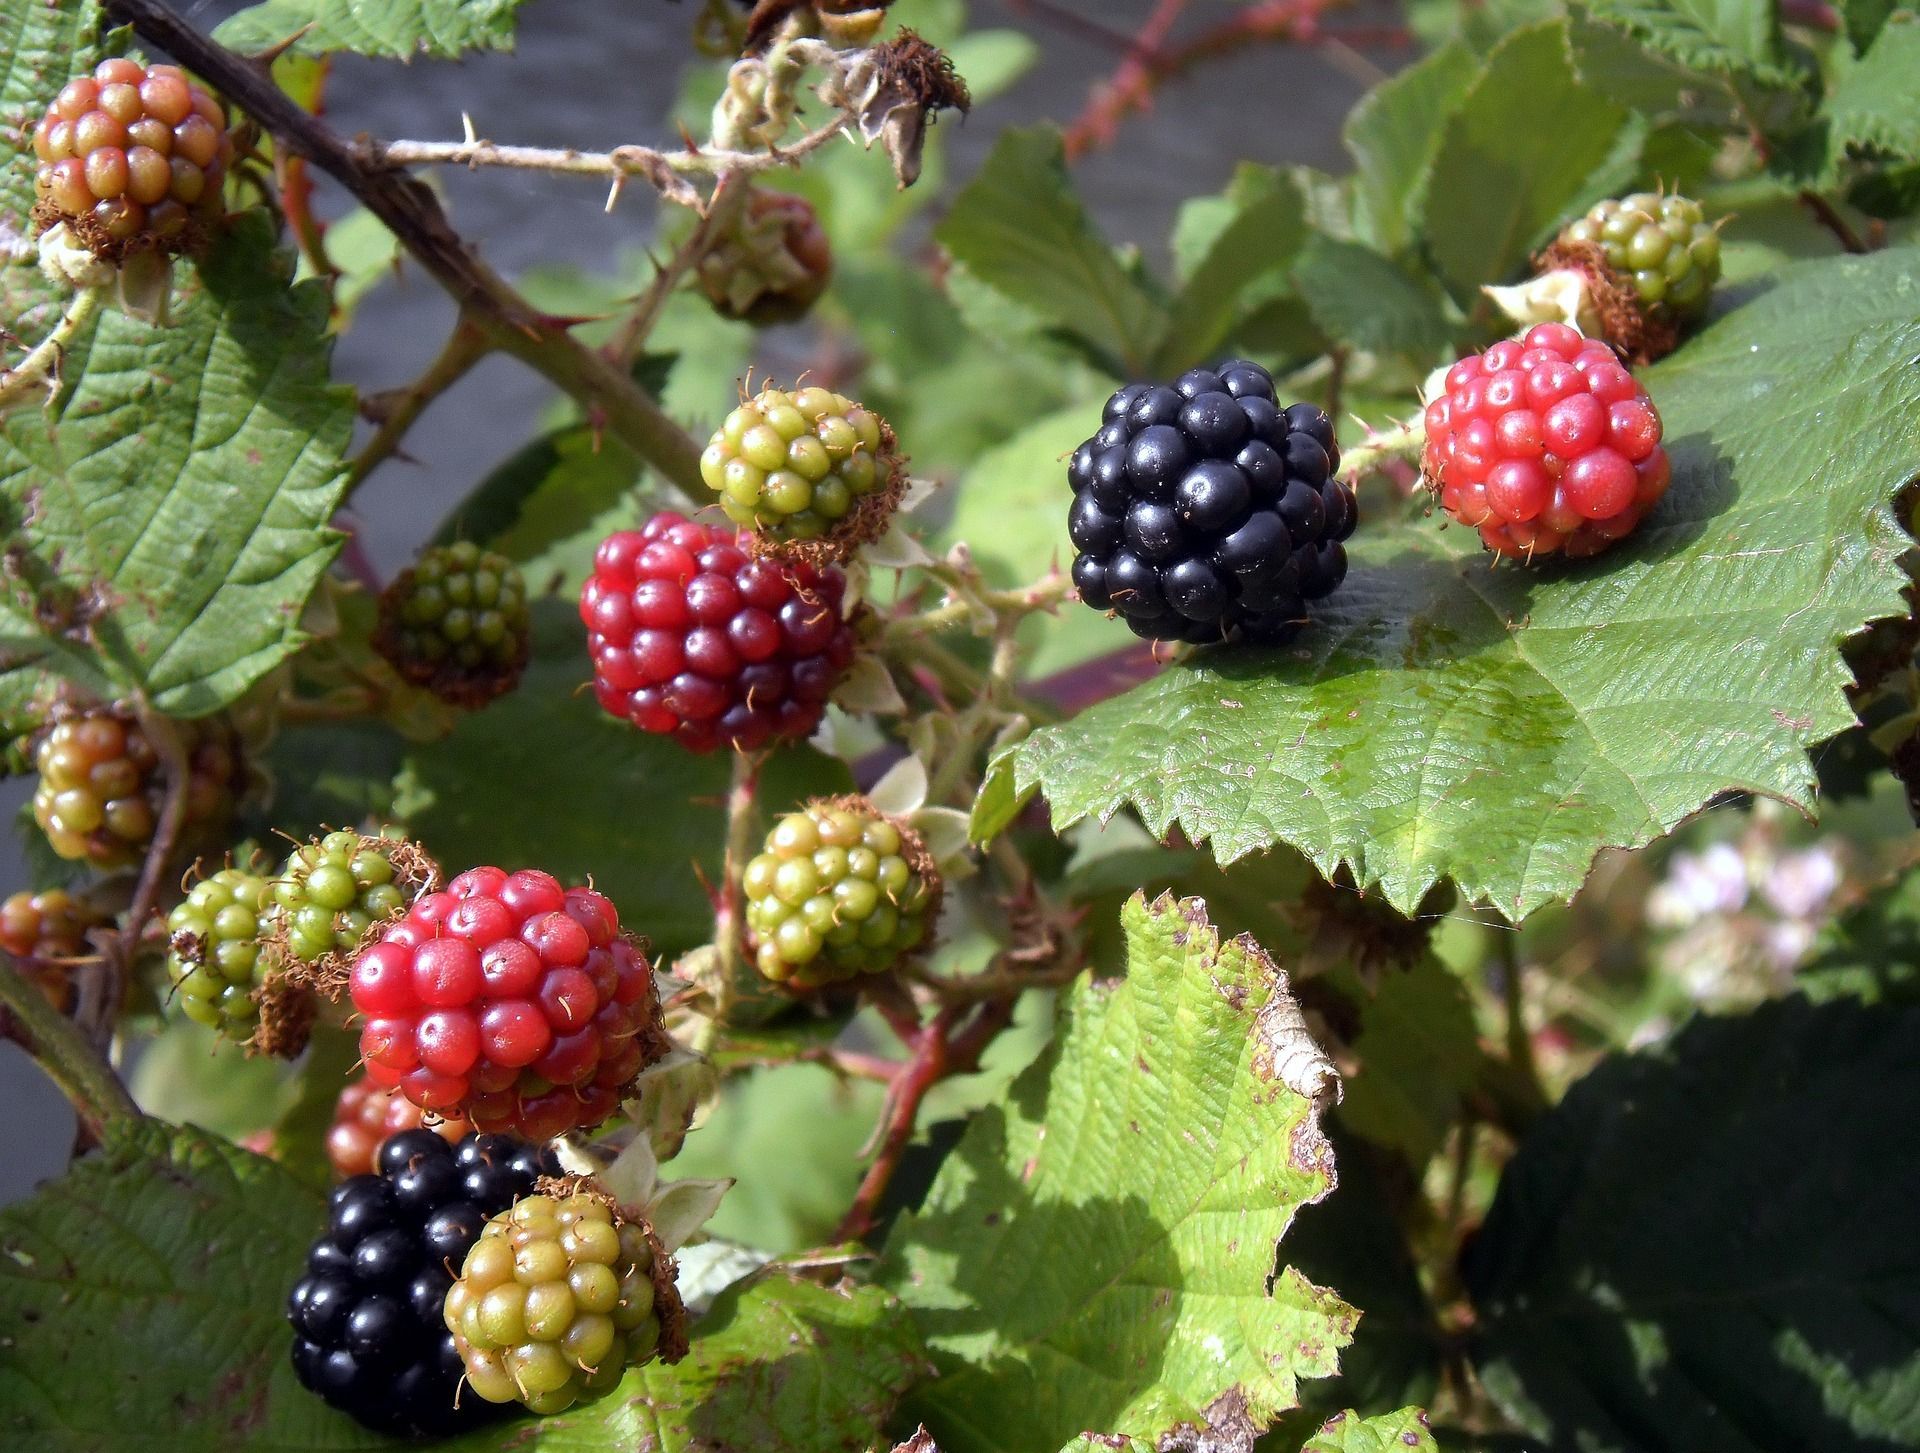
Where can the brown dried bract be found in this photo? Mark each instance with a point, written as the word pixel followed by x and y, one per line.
pixel 1623 317
pixel 287 1012
pixel 189 240
pixel 895 88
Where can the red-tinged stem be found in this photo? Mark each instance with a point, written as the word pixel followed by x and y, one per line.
pixel 1129 89
pixel 1814 14
pixel 1824 213
pixel 740 818
pixel 924 1069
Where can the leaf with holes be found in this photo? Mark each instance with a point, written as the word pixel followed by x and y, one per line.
pixel 174 516
pixel 396 29
pixel 1348 1432
pixel 1443 718
pixel 1099 1251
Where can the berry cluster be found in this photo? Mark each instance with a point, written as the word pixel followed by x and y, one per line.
pixel 366 1117
pixel 840 890
pixel 1545 444
pixel 1663 247
pixel 774 264
pixel 556 1300
pixel 797 465
pixel 215 960
pixel 329 893
pixel 100 790
pixel 368 1315
pixel 1205 510
pixel 456 622
pixel 43 930
pixel 691 636
pixel 128 156
pixel 511 1001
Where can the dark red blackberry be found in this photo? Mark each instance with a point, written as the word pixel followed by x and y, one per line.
pixel 369 1329
pixel 690 635
pixel 1203 511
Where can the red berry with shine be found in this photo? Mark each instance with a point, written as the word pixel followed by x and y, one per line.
pixel 692 637
pixel 1546 445
pixel 509 1001
pixel 365 1116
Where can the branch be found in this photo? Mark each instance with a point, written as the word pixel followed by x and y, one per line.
pixel 1825 214
pixel 414 215
pixel 1402 442
pixel 722 207
pixel 921 1073
pixel 40 369
pixel 82 1074
pixel 397 411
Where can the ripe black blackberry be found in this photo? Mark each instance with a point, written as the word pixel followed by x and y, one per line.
pixel 369 1315
pixel 1204 511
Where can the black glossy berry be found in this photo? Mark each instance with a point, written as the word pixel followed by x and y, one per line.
pixel 369 1331
pixel 1204 511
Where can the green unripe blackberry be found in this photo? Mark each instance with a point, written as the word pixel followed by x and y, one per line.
pixel 215 958
pixel 329 893
pixel 1663 247
pixel 805 465
pixel 456 623
pixel 557 1299
pixel 841 889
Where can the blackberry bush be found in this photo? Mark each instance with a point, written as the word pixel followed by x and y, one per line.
pixel 692 636
pixel 456 623
pixel 840 890
pixel 131 158
pixel 804 465
pixel 1205 512
pixel 557 1299
pixel 366 1117
pixel 1546 444
pixel 367 1314
pixel 510 1001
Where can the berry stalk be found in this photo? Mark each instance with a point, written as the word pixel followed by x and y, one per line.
pixel 83 1075
pixel 40 368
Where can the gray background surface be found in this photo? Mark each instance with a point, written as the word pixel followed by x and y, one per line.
pixel 596 73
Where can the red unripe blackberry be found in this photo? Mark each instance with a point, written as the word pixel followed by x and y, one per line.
pixel 456 622
pixel 129 157
pixel 1545 444
pixel 101 789
pixel 774 264
pixel 692 636
pixel 365 1117
pixel 44 931
pixel 511 1001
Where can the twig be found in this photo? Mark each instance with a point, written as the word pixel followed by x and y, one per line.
pixel 40 368
pixel 81 1071
pixel 413 214
pixel 722 207
pixel 1402 442
pixel 465 347
pixel 924 1070
pixel 1824 213
pixel 1130 86
pixel 643 162
pixel 726 906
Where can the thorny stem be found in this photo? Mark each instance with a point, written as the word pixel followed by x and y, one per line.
pixel 81 1071
pixel 926 1067
pixel 726 908
pixel 1825 214
pixel 465 347
pixel 722 208
pixel 1402 442
pixel 41 367
pixel 413 214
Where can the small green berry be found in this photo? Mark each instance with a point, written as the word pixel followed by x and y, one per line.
pixel 457 624
pixel 793 465
pixel 1662 247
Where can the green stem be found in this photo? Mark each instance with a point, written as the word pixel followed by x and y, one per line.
pixel 465 347
pixel 727 922
pixel 1403 442
pixel 82 1075
pixel 40 368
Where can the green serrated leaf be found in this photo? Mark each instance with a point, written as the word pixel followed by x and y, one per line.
pixel 1367 301
pixel 588 796
pixel 1234 251
pixel 1872 952
pixel 396 29
pixel 1348 1432
pixel 1392 137
pixel 1875 105
pixel 1864 18
pixel 1097 1253
pixel 172 507
pixel 1709 1248
pixel 1020 230
pixel 1446 719
pixel 1501 181
pixel 1732 38
pixel 41 47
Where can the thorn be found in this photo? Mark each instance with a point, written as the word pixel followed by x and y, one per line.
pixel 265 58
pixel 686 137
pixel 613 191
pixel 467 134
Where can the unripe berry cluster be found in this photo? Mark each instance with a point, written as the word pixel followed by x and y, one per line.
pixel 42 930
pixel 1204 510
pixel 368 1315
pixel 101 787
pixel 456 622
pixel 797 466
pixel 693 637
pixel 556 1300
pixel 773 266
pixel 128 156
pixel 215 959
pixel 329 893
pixel 366 1117
pixel 840 890
pixel 1545 444
pixel 511 1001
pixel 1664 247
